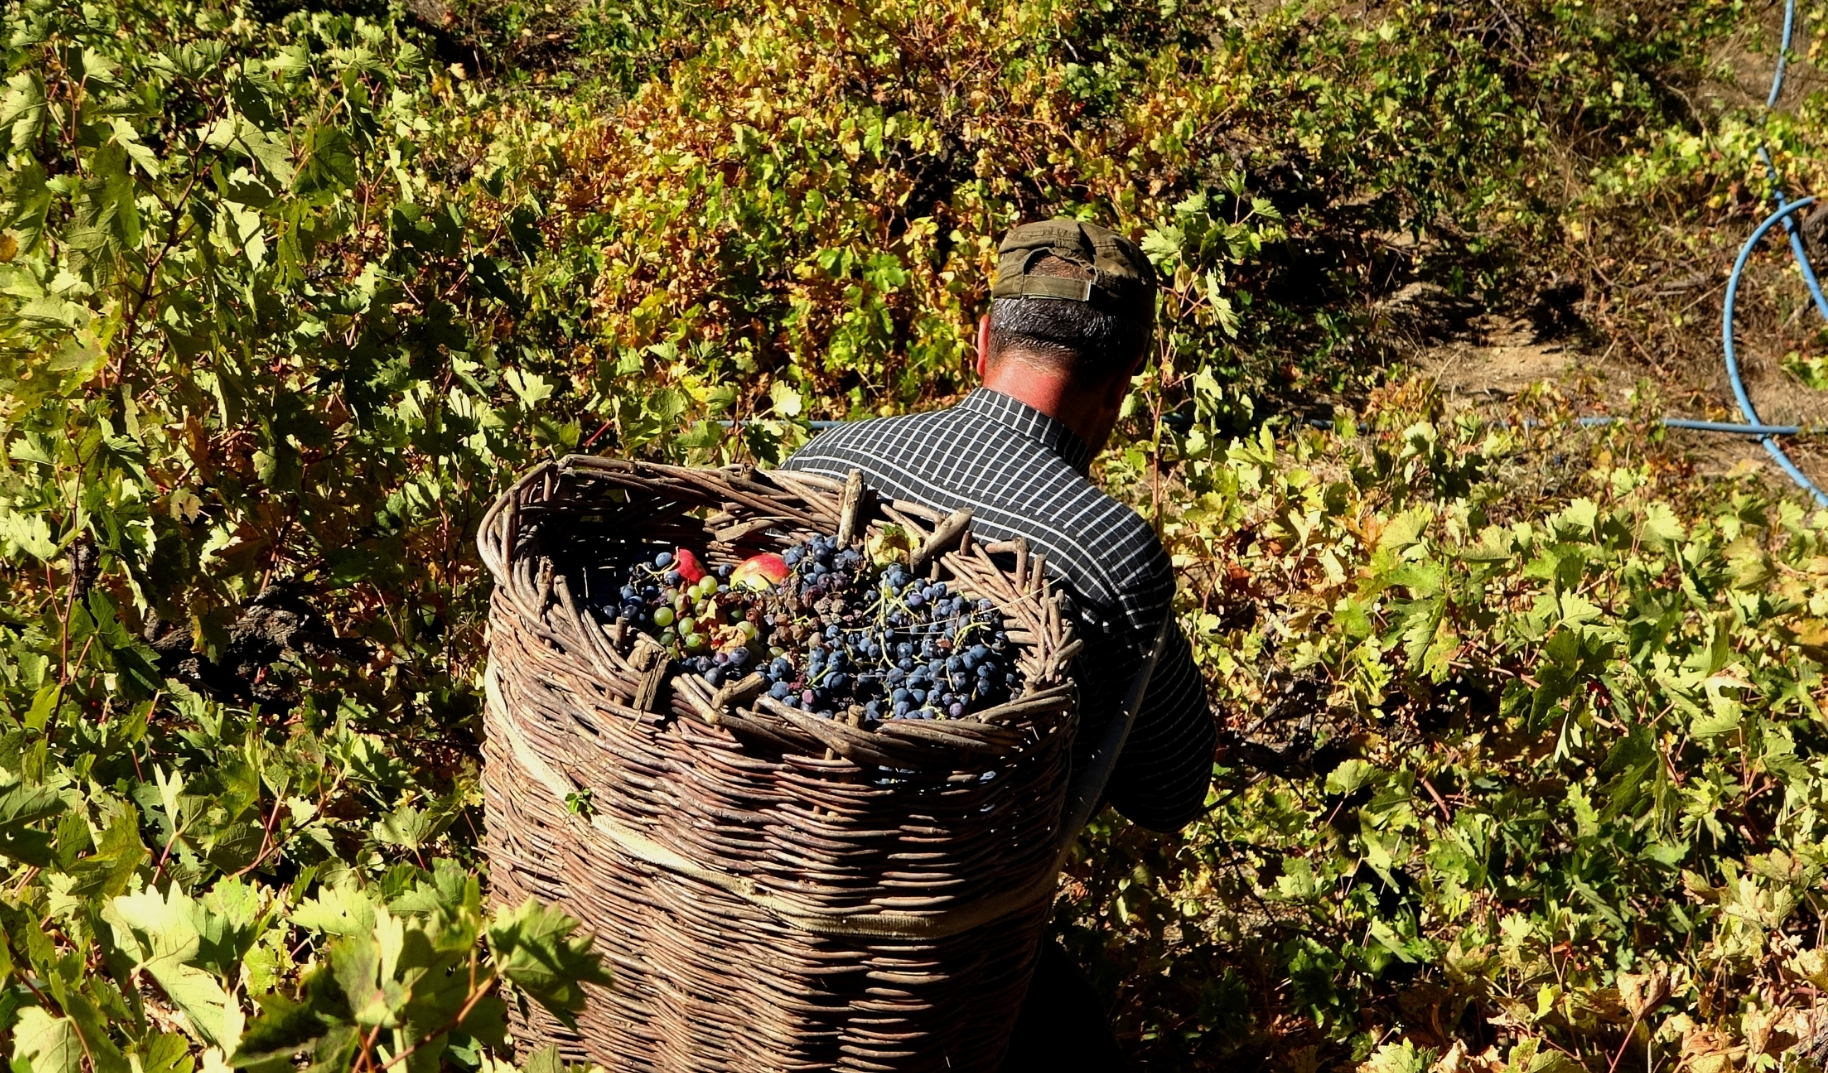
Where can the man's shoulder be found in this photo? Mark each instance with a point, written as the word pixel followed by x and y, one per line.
pixel 1102 543
pixel 875 434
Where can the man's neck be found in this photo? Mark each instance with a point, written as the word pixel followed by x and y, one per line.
pixel 1052 394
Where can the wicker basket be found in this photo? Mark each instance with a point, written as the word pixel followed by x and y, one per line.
pixel 772 891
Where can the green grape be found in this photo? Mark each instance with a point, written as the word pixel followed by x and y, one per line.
pixel 669 637
pixel 748 630
pixel 663 617
pixel 694 642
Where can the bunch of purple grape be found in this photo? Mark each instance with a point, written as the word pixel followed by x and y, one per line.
pixel 837 636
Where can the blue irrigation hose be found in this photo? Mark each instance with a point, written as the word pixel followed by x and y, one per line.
pixel 1601 420
pixel 1746 408
pixel 1785 214
pixel 1783 54
pixel 1794 233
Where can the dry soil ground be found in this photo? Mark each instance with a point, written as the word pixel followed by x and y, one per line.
pixel 1499 359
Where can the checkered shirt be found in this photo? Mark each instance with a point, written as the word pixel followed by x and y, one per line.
pixel 1023 473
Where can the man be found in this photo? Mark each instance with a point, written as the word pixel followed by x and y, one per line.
pixel 1071 321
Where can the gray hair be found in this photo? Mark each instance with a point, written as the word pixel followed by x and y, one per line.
pixel 1076 338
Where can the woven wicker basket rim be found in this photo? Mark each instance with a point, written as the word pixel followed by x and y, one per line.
pixel 501 523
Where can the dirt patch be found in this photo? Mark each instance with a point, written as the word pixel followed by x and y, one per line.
pixel 1509 360
pixel 1503 359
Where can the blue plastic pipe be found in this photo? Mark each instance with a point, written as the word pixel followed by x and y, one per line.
pixel 1746 409
pixel 1785 213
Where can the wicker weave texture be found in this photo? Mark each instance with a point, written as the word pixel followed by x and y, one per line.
pixel 772 891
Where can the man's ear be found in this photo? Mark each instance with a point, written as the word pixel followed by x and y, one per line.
pixel 1119 386
pixel 983 346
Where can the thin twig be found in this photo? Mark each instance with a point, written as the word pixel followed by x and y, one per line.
pixel 456 1020
pixel 266 838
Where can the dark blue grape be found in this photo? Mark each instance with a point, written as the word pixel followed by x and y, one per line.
pixel 663 560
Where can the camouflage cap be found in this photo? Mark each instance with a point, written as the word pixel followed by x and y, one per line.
pixel 1123 280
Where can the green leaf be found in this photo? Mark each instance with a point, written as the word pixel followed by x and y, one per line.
pixel 168 938
pixel 1661 528
pixel 30 533
pixel 129 139
pixel 106 220
pixel 21 807
pixel 319 1020
pixel 22 110
pixel 544 1060
pixel 49 1044
pixel 328 164
pixel 786 401
pixel 361 965
pixel 533 949
pixel 343 909
pixel 529 388
pixel 163 1052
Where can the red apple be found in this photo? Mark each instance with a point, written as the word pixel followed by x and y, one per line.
pixel 687 565
pixel 760 572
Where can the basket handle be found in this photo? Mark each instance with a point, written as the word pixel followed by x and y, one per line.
pixel 1088 786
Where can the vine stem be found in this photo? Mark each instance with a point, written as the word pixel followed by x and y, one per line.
pixel 476 995
pixel 365 1060
pixel 266 838
pixel 1636 1019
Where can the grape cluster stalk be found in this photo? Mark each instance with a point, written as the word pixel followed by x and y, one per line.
pixel 838 635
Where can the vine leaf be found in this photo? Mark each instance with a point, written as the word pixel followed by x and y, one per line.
pixel 168 932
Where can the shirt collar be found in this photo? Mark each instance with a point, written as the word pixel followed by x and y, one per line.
pixel 1049 432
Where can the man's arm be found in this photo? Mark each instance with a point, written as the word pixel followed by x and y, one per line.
pixel 1162 775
